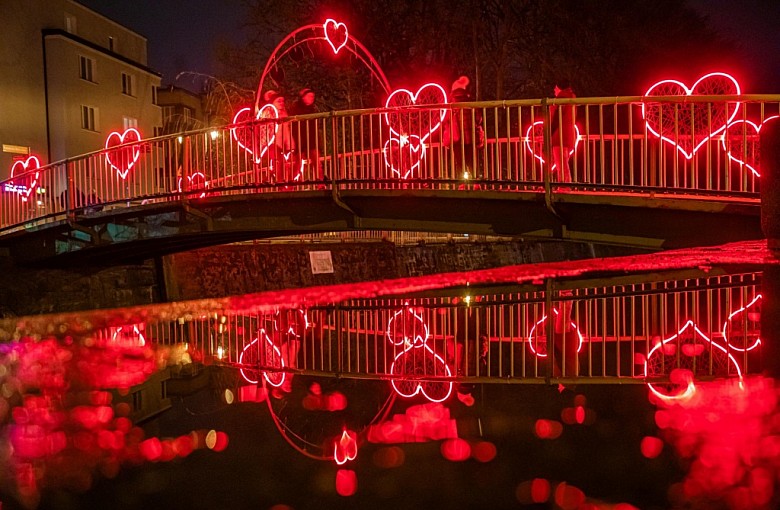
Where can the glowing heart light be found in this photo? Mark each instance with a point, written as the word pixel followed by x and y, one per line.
pixel 263 350
pixel 255 138
pixel 407 328
pixel 404 156
pixel 336 34
pixel 411 366
pixel 122 157
pixel 346 447
pixel 688 126
pixel 534 141
pixel 195 181
pixel 25 176
pixel 420 122
pixel 696 354
pixel 741 143
pixel 742 327
pixel 539 348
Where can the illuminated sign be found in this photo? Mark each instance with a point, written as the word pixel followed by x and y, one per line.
pixel 689 126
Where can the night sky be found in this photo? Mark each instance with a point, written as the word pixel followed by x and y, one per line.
pixel 182 35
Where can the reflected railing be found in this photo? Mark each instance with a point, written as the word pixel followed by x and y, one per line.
pixel 500 146
pixel 622 333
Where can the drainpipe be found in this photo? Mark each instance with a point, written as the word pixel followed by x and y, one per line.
pixel 46 97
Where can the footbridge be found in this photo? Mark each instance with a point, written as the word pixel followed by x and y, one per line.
pixel 672 172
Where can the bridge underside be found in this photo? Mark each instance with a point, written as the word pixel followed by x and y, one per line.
pixel 157 228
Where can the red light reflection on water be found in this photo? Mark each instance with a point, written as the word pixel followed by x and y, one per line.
pixel 730 438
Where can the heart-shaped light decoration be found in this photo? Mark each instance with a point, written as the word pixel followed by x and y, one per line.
pixel 741 143
pixel 404 156
pixel 25 176
pixel 413 364
pixel 123 157
pixel 742 327
pixel 346 447
pixel 195 181
pixel 423 122
pixel 688 126
pixel 538 343
pixel 336 34
pixel 534 141
pixel 407 328
pixel 255 137
pixel 266 354
pixel 698 353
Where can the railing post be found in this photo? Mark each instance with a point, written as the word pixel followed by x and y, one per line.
pixel 70 191
pixel 770 224
pixel 549 329
pixel 186 163
pixel 546 147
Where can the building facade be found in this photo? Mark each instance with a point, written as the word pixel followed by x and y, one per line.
pixel 68 78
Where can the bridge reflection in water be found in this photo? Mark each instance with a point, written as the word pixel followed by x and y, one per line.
pixel 655 331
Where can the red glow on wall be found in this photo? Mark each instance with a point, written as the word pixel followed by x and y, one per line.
pixel 420 122
pixel 346 447
pixel 255 137
pixel 346 482
pixel 741 143
pixel 455 450
pixel 540 490
pixel 122 159
pixel 568 497
pixel 336 34
pixel 483 451
pixel 538 343
pixel 548 429
pixel 264 353
pixel 663 359
pixel 742 327
pixel 651 447
pixel 534 141
pixel 26 185
pixel 687 127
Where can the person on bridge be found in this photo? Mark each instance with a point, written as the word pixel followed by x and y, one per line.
pixel 305 134
pixel 462 131
pixel 281 155
pixel 563 134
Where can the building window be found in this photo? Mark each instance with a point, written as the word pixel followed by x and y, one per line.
pixel 158 131
pixel 129 122
pixel 128 84
pixel 187 113
pixel 88 118
pixel 167 113
pixel 138 400
pixel 154 94
pixel 111 43
pixel 70 23
pixel 86 68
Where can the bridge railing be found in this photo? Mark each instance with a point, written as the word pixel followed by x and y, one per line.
pixel 500 146
pixel 626 332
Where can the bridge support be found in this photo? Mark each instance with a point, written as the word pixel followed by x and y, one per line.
pixel 770 224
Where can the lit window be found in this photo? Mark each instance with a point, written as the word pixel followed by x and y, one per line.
pixel 129 122
pixel 128 84
pixel 86 68
pixel 88 118
pixel 154 94
pixel 111 46
pixel 70 23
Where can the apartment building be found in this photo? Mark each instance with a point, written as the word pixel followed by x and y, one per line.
pixel 68 78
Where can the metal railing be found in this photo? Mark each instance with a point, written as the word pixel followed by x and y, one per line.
pixel 624 333
pixel 497 146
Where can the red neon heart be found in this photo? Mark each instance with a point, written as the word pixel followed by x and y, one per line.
pixel 422 123
pixel 739 335
pixel 740 141
pixel 404 156
pixel 538 343
pixel 336 34
pixel 267 354
pixel 23 180
pixel 195 181
pixel 696 360
pixel 123 159
pixel 414 363
pixel 407 328
pixel 346 447
pixel 255 138
pixel 688 127
pixel 534 141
